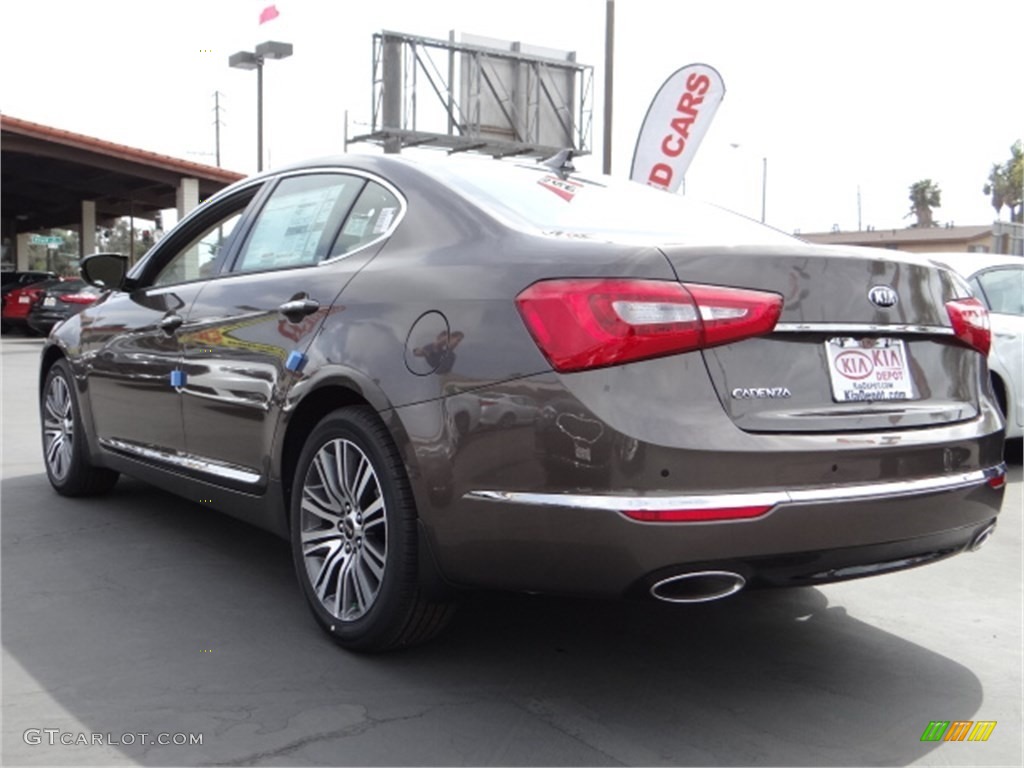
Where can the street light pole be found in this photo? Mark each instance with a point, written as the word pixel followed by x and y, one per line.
pixel 764 186
pixel 254 60
pixel 259 115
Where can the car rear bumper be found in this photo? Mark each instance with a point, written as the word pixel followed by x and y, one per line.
pixel 585 544
pixel 43 322
pixel 540 506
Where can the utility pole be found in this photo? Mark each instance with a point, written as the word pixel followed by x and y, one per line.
pixel 609 50
pixel 216 122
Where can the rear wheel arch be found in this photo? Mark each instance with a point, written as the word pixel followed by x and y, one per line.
pixel 999 389
pixel 303 420
pixel 51 355
pixel 314 406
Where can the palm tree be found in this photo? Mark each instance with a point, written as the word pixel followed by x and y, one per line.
pixel 1006 184
pixel 924 195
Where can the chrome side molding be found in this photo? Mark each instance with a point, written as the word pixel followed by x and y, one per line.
pixel 193 463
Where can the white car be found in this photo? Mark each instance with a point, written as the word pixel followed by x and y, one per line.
pixel 998 281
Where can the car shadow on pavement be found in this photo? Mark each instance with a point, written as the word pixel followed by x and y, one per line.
pixel 142 613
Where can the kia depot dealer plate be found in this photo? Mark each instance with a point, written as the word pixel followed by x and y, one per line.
pixel 868 369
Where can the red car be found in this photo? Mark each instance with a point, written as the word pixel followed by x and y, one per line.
pixel 19 302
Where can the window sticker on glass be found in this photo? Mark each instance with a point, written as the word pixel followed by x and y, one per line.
pixel 387 215
pixel 356 224
pixel 291 225
pixel 564 188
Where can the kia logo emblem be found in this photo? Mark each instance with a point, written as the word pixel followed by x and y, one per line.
pixel 883 296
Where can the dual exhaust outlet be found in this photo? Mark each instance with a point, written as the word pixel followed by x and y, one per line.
pixel 705 586
pixel 698 586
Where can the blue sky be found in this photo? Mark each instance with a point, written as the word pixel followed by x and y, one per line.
pixel 835 94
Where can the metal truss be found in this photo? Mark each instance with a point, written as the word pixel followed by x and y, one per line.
pixel 498 102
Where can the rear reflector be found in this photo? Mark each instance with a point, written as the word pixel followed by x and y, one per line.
pixel 694 515
pixel 997 481
pixel 970 323
pixel 592 323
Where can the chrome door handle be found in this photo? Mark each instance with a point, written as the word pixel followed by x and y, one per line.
pixel 296 309
pixel 171 323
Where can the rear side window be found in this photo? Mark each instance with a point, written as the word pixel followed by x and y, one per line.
pixel 298 222
pixel 1004 290
pixel 371 218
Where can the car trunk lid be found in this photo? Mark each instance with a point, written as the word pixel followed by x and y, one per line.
pixel 864 341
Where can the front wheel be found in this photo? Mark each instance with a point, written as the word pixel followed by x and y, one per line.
pixel 354 538
pixel 65 448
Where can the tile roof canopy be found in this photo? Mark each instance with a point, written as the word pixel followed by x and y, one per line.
pixel 47 172
pixel 908 235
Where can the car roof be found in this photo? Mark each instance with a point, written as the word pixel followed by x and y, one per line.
pixel 968 264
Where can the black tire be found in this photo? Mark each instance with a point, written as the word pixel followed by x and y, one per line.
pixel 65 448
pixel 356 555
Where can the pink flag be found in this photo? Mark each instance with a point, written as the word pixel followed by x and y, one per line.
pixel 269 14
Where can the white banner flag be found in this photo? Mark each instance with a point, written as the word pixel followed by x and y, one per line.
pixel 675 124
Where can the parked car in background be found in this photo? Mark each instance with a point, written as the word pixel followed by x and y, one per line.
pixel 998 281
pixel 18 302
pixel 59 302
pixel 11 280
pixel 504 410
pixel 723 406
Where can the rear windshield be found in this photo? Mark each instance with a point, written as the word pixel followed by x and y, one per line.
pixel 599 206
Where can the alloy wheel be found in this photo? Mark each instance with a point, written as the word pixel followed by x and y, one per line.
pixel 343 529
pixel 58 428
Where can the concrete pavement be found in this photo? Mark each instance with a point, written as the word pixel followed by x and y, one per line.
pixel 144 613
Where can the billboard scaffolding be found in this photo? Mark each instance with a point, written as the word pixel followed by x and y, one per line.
pixel 498 98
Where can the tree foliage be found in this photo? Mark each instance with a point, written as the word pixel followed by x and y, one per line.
pixel 924 196
pixel 1006 184
pixel 117 239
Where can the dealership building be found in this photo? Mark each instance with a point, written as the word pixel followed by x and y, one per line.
pixel 52 178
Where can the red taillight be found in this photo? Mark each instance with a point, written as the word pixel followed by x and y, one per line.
pixel 970 323
pixel 78 298
pixel 694 515
pixel 590 323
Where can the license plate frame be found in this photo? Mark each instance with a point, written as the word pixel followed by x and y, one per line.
pixel 869 369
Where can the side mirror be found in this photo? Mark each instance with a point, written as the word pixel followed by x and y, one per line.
pixel 105 270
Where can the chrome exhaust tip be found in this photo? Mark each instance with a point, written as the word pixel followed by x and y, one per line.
pixel 698 587
pixel 982 538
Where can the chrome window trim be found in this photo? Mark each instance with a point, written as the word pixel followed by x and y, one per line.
pixel 608 503
pixel 274 178
pixel 929 330
pixel 206 466
pixel 403 206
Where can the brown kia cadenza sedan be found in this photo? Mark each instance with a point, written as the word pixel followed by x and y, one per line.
pixel 450 374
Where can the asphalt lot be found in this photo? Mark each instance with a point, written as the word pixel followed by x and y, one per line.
pixel 143 613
